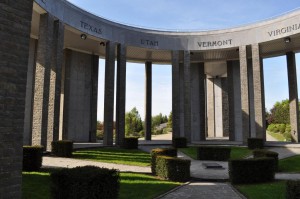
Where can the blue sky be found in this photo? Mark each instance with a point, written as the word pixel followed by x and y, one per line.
pixel 188 15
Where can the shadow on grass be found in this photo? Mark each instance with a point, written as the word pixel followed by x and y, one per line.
pixel 36 185
pixel 236 152
pixel 118 156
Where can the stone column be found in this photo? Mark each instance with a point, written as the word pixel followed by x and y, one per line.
pixel 14 52
pixel 109 93
pixel 42 81
pixel 259 101
pixel 94 98
pixel 175 95
pixel 225 106
pixel 66 72
pixel 181 102
pixel 293 95
pixel 202 96
pixel 210 107
pixel 218 107
pixel 121 94
pixel 230 84
pixel 27 137
pixel 244 93
pixel 55 84
pixel 187 95
pixel 198 101
pixel 148 100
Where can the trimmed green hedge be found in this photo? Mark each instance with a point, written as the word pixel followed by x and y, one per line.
pixel 293 189
pixel 255 170
pixel 174 169
pixel 172 152
pixel 179 142
pixel 258 153
pixel 32 158
pixel 130 143
pixel 85 182
pixel 255 143
pixel 216 153
pixel 62 148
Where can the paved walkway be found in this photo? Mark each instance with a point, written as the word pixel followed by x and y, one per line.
pixel 71 163
pixel 205 190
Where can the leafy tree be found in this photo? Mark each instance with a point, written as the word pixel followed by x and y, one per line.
pixel 170 120
pixel 279 113
pixel 133 122
pixel 159 119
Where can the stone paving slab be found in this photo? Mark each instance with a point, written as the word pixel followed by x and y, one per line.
pixel 287 176
pixel 71 163
pixel 205 190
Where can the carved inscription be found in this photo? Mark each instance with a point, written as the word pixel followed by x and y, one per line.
pixel 206 44
pixel 91 28
pixel 149 42
pixel 281 31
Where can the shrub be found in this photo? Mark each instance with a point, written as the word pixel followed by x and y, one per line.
pixel 157 132
pixel 85 182
pixel 167 130
pixel 62 148
pixel 179 142
pixel 292 189
pixel 255 170
pixel 271 127
pixel 258 153
pixel 32 158
pixel 130 143
pixel 255 143
pixel 213 153
pixel 174 169
pixel 100 134
pixel 171 152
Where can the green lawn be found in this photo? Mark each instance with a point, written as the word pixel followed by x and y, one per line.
pixel 236 152
pixel 277 136
pixel 134 186
pixel 271 190
pixel 115 155
pixel 291 164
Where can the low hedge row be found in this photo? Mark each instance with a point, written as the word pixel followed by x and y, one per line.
pixel 85 182
pixel 174 169
pixel 62 148
pixel 179 142
pixel 172 152
pixel 216 153
pixel 32 158
pixel 258 153
pixel 255 143
pixel 293 189
pixel 255 170
pixel 130 143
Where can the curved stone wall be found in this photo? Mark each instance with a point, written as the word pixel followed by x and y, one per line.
pixel 279 27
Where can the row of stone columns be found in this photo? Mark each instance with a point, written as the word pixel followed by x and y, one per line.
pixel 246 103
pixel 188 93
pixel 43 84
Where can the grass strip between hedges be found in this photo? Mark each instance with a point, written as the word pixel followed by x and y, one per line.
pixel 134 186
pixel 236 152
pixel 115 155
pixel 271 190
pixel 291 164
